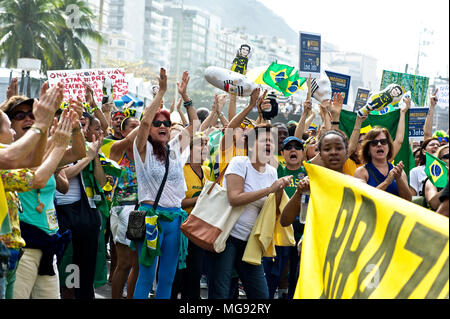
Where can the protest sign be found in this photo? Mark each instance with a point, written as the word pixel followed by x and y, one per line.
pixel 310 55
pixel 442 96
pixel 418 85
pixel 340 83
pixel 417 118
pixel 361 242
pixel 361 99
pixel 73 82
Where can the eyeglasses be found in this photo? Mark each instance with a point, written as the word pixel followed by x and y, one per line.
pixel 159 123
pixel 444 157
pixel 443 139
pixel 19 116
pixel 290 146
pixel 383 141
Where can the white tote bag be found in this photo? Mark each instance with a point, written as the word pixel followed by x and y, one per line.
pixel 212 219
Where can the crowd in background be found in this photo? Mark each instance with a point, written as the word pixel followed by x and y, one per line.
pixel 66 205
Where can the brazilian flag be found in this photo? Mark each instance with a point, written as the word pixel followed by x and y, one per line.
pixel 276 73
pixel 389 121
pixel 291 85
pixel 436 170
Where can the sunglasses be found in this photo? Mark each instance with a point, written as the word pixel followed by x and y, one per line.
pixel 19 116
pixel 444 157
pixel 443 139
pixel 290 146
pixel 159 123
pixel 383 141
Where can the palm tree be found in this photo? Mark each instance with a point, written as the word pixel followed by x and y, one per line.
pixel 70 36
pixel 27 30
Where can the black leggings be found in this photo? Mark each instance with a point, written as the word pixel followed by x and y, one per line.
pixel 84 222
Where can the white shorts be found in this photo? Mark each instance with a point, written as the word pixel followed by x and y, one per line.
pixel 119 223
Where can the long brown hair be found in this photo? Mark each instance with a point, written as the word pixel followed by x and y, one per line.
pixel 371 135
pixel 160 150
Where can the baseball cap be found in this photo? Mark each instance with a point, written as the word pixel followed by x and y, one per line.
pixel 292 139
pixel 15 102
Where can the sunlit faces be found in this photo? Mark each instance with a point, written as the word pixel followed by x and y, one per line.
pixel 261 147
pixel 7 134
pixel 379 147
pixel 93 128
pixel 19 123
pixel 129 126
pixel 160 134
pixel 432 147
pixel 333 152
pixel 293 153
pixel 116 121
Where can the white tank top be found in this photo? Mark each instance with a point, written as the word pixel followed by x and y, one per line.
pixel 151 173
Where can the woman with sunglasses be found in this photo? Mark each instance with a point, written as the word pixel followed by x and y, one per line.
pixel 431 192
pixel 377 152
pixel 250 180
pixel 152 149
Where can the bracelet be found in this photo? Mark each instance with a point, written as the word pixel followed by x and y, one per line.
pixel 221 114
pixel 37 130
pixel 335 123
pixel 188 103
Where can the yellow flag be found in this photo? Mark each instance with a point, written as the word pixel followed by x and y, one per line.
pixel 3 205
pixel 360 242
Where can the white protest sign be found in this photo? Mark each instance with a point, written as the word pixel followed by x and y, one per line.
pixel 442 96
pixel 73 82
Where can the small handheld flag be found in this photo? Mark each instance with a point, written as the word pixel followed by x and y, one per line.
pixel 436 170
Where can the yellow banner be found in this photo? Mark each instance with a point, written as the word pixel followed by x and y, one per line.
pixel 360 242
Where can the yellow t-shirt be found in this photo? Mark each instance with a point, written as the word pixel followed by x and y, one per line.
pixel 350 167
pixel 3 205
pixel 194 183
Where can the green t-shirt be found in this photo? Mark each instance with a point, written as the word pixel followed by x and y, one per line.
pixel 47 220
pixel 298 175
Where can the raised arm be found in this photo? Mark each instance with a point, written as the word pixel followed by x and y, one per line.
pixel 12 156
pixel 61 140
pixel 292 208
pixel 307 109
pixel 354 139
pixel 336 108
pixel 428 127
pixel 232 106
pixel 149 115
pixel 400 136
pixel 119 147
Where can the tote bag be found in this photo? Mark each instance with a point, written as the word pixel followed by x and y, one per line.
pixel 212 219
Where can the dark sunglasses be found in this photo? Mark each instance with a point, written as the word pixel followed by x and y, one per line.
pixel 290 146
pixel 159 123
pixel 443 139
pixel 19 116
pixel 444 157
pixel 383 141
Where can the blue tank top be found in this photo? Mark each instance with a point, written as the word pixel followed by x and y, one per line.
pixel 376 178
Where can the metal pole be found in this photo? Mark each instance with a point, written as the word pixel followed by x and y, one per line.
pixel 22 82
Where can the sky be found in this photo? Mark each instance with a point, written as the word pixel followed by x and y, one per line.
pixel 388 30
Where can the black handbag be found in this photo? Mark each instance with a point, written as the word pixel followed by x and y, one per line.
pixel 136 221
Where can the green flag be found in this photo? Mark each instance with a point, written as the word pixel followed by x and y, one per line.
pixel 291 85
pixel 276 73
pixel 436 170
pixel 389 121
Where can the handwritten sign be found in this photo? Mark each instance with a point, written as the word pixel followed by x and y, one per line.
pixel 73 82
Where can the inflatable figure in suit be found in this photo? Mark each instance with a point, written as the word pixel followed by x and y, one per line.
pixel 393 93
pixel 241 60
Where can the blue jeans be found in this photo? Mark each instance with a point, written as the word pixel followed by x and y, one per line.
pixel 168 262
pixel 220 269
pixel 273 267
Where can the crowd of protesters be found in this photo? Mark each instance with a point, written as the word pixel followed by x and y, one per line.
pixel 63 205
